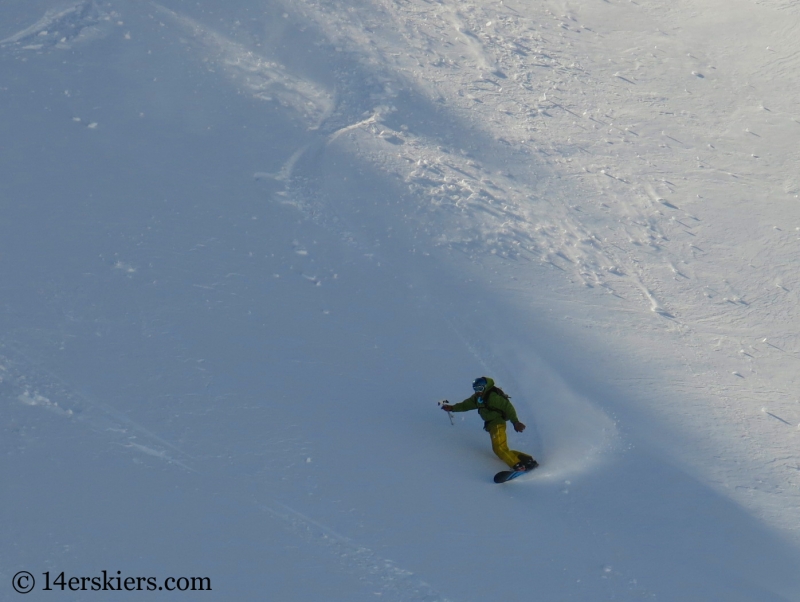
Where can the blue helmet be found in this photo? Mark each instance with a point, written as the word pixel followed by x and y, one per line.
pixel 479 384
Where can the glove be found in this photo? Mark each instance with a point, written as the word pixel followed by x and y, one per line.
pixel 519 427
pixel 447 407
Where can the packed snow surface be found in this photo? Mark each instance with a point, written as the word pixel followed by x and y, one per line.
pixel 247 246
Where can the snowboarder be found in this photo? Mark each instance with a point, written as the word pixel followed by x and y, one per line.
pixel 495 408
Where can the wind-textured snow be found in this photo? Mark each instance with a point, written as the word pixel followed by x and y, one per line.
pixel 246 246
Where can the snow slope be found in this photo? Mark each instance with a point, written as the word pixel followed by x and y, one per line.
pixel 246 246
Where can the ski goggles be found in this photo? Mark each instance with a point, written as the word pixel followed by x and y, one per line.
pixel 479 385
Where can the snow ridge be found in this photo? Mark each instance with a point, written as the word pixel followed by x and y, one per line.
pixel 62 28
pixel 265 79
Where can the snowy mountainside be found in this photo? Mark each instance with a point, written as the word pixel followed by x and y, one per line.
pixel 247 246
pixel 670 157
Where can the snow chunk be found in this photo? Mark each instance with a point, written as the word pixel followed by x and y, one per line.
pixel 36 400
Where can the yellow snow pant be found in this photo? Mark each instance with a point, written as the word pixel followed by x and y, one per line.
pixel 500 445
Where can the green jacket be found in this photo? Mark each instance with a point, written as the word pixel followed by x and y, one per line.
pixel 493 407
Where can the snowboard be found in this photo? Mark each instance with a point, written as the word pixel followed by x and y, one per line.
pixel 508 475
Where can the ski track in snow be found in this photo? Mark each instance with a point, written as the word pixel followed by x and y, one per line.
pixel 390 581
pixel 32 384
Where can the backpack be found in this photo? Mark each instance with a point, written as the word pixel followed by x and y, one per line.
pixel 497 389
pixel 500 392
